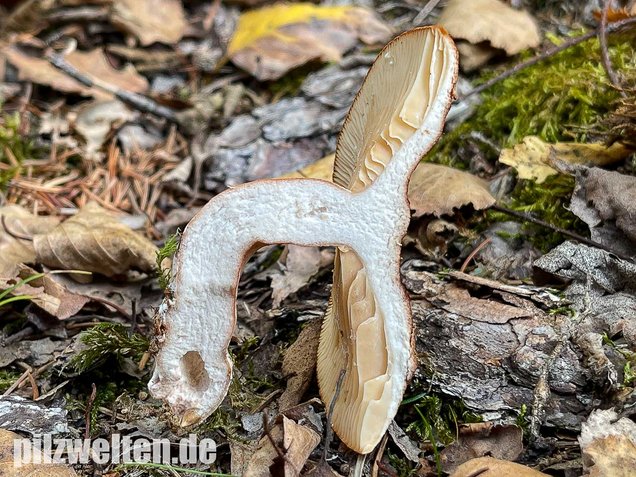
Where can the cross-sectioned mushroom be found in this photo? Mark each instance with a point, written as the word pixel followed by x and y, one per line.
pixel 396 118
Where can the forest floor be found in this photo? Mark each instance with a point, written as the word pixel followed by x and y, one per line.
pixel 120 119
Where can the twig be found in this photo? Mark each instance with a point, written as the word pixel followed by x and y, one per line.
pixel 473 253
pixel 575 236
pixel 611 28
pixel 89 408
pixel 602 38
pixel 332 406
pixel 425 12
pixel 137 101
pixel 106 302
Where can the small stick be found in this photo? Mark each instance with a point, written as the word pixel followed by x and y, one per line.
pixel 137 101
pixel 89 408
pixel 425 12
pixel 602 38
pixel 575 236
pixel 332 405
pixel 473 253
pixel 611 28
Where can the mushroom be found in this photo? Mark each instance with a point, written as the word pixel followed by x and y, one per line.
pixel 396 118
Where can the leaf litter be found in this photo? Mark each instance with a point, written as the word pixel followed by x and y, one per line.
pixel 485 335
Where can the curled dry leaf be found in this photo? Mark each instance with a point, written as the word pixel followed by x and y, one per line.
pixel 438 190
pixel 93 64
pixel 491 467
pixel 492 21
pixel 15 251
pixel 10 468
pixel 270 41
pixel 150 20
pixel 46 293
pixel 536 160
pixel 294 440
pixel 95 241
pixel 604 200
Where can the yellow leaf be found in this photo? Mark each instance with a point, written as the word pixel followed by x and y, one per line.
pixel 321 169
pixel 536 160
pixel 270 41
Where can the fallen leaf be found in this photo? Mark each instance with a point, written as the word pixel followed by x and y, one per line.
pixel 14 251
pixel 606 201
pixel 482 439
pixel 608 444
pixel 294 440
pixel 270 41
pixel 535 159
pixel 150 20
pixel 8 467
pixel 493 21
pixel 95 120
pixel 437 190
pixel 298 441
pixel 491 467
pixel 95 241
pixel 298 265
pixel 46 293
pixel 321 169
pixel 93 64
pixel 299 365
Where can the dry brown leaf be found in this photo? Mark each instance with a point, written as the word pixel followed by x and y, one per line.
pixel 299 365
pixel 95 241
pixel 534 159
pixel 150 20
pixel 294 440
pixel 437 190
pixel 300 264
pixel 270 41
pixel 605 199
pixel 93 64
pixel 613 455
pixel 491 467
pixel 493 21
pixel 14 251
pixel 482 439
pixel 9 469
pixel 298 441
pixel 608 444
pixel 46 293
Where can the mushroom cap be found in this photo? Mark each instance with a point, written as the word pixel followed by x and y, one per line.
pixel 366 333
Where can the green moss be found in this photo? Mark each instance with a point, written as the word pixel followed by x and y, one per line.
pixel 7 378
pixel 547 201
pixel 402 466
pixel 167 251
pixel 107 340
pixel 555 99
pixel 14 149
pixel 436 419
